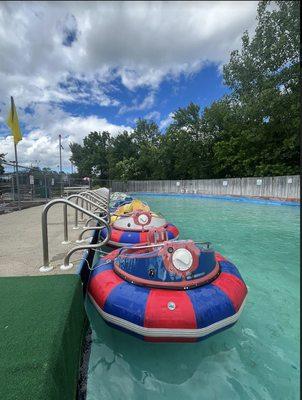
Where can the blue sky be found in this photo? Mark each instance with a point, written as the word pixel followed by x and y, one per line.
pixel 74 67
pixel 202 87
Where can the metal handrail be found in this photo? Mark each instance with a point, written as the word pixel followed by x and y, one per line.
pixel 102 195
pixel 103 200
pixel 46 267
pixel 106 199
pixel 67 264
pixel 96 197
pixel 90 228
pixel 91 194
pixel 105 195
pixel 91 219
pixel 79 196
pixel 87 222
pixel 148 246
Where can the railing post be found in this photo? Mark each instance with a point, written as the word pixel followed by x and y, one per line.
pixel 45 267
pixel 90 228
pixel 65 218
pixel 82 205
pixel 87 222
pixel 76 216
pixel 68 265
pixel 90 202
pixel 96 197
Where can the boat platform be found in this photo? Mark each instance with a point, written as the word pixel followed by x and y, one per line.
pixel 43 327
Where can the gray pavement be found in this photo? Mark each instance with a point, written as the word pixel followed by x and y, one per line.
pixel 21 241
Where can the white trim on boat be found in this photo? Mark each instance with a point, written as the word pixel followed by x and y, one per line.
pixel 166 332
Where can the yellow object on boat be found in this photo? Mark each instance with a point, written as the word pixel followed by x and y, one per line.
pixel 129 208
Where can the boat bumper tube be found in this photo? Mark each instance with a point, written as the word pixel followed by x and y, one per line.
pixel 160 314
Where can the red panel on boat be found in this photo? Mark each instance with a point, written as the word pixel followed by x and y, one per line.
pixel 169 309
pixel 102 284
pixel 233 287
pixel 219 257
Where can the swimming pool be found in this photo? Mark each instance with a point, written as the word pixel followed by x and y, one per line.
pixel 258 358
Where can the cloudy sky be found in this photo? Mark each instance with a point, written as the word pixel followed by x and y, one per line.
pixel 74 67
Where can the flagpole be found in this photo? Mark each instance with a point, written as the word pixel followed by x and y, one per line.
pixel 13 123
pixel 60 147
pixel 17 177
pixel 16 158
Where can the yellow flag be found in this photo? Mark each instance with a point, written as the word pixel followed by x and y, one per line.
pixel 13 123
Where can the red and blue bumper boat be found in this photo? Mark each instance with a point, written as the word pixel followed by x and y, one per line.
pixel 134 229
pixel 177 291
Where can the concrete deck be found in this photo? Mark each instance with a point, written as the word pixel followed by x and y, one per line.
pixel 21 241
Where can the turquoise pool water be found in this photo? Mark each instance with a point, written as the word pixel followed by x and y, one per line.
pixel 258 358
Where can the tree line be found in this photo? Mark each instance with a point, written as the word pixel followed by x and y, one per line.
pixel 253 131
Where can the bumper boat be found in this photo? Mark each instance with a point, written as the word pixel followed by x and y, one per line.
pixel 135 228
pixel 118 196
pixel 118 200
pixel 177 291
pixel 119 203
pixel 127 208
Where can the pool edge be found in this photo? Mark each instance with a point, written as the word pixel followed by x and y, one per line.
pixel 222 197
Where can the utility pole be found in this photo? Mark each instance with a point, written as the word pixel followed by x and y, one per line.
pixel 61 180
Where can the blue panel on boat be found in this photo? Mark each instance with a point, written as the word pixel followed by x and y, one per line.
pixel 101 266
pixel 130 237
pixel 128 301
pixel 210 305
pixel 228 267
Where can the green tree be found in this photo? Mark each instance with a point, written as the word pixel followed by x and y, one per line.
pixel 127 169
pixel 121 149
pixel 251 131
pixel 264 77
pixel 91 159
pixel 187 145
pixel 146 138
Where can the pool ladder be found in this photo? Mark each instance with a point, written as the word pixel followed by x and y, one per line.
pixel 91 201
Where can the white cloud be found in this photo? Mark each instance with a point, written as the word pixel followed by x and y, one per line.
pixel 165 122
pixel 58 52
pixel 140 42
pixel 42 142
pixel 153 115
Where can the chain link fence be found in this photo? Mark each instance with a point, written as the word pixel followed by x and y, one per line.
pixel 36 187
